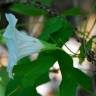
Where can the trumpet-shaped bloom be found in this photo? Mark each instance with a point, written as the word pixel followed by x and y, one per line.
pixel 19 43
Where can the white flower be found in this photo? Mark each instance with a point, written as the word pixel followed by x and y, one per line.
pixel 19 44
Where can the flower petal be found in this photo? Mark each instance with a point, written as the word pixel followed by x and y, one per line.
pixel 19 44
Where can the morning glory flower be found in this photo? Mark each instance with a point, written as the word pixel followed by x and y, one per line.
pixel 19 43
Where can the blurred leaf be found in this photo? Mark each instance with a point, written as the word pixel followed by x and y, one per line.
pixel 72 12
pixel 2 90
pixel 47 2
pixel 27 10
pixel 1 36
pixel 94 7
pixel 51 25
pixel 94 94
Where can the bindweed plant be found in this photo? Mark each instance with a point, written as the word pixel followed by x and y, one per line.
pixel 24 75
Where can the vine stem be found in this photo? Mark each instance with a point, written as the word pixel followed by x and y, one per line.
pixel 2 90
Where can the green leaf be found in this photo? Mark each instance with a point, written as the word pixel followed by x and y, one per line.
pixel 27 92
pixel 27 10
pixel 84 50
pixel 2 40
pixel 75 75
pixel 27 74
pixel 48 46
pixel 72 12
pixel 82 79
pixel 40 80
pixel 30 71
pixel 3 81
pixel 51 25
pixel 3 76
pixel 68 86
pixel 89 43
pixel 2 90
pixel 47 2
pixel 65 60
pixel 57 30
pixel 82 54
pixel 14 87
pixel 62 35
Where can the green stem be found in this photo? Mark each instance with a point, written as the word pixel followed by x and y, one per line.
pixel 2 90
